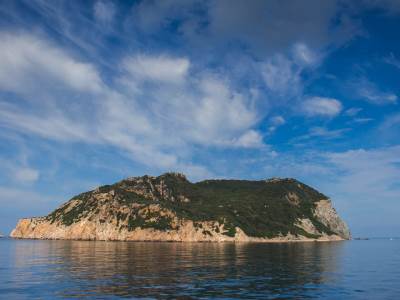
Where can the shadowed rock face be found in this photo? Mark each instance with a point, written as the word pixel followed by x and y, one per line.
pixel 170 208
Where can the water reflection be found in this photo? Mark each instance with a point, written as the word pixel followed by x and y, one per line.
pixel 129 269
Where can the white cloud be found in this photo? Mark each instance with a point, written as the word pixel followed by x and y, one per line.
pixel 250 139
pixel 362 120
pixel 368 91
pixel 218 113
pixel 26 175
pixel 104 11
pixel 16 169
pixel 157 68
pixel 392 60
pixel 388 131
pixel 20 198
pixel 360 174
pixel 29 63
pixel 278 120
pixel 371 173
pixel 156 123
pixel 303 55
pixel 22 203
pixel 321 106
pixel 275 123
pixel 377 97
pixel 204 109
pixel 281 75
pixel 351 112
pixel 321 132
pixel 390 122
pixel 55 125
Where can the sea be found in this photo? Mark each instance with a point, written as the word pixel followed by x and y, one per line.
pixel 42 269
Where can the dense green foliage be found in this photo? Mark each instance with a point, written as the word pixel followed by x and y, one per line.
pixel 259 208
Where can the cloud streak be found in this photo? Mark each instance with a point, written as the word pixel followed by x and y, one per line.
pixel 368 91
pixel 156 110
pixel 27 62
pixel 321 106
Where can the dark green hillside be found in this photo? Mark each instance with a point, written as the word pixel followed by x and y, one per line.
pixel 260 208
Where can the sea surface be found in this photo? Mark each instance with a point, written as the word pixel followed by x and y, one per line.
pixel 34 269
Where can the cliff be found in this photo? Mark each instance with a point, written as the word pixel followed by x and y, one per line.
pixel 170 208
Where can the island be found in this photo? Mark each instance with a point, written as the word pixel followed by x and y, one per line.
pixel 171 208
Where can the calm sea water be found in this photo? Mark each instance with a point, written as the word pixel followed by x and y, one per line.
pixel 32 269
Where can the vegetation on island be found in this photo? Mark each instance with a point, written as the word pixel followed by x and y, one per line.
pixel 265 208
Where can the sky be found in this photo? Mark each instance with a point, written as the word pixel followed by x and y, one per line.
pixel 92 92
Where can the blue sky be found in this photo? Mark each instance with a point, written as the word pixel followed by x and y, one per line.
pixel 92 92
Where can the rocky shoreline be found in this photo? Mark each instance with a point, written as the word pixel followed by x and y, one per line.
pixel 34 229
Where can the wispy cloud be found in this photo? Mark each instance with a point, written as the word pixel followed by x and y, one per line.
pixel 372 174
pixel 321 106
pixel 369 91
pixel 185 109
pixel 18 171
pixel 157 68
pixel 391 121
pixel 351 112
pixel 250 139
pixel 26 175
pixel 275 122
pixel 282 76
pixel 320 133
pixel 104 11
pixel 29 64
pixel 392 60
pixel 362 120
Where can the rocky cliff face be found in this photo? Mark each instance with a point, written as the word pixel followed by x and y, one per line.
pixel 170 208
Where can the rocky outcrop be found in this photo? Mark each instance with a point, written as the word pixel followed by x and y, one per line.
pixel 328 216
pixel 170 208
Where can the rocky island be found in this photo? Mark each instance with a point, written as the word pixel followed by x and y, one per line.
pixel 171 208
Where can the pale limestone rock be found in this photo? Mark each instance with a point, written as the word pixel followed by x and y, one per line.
pixel 328 216
pixel 39 228
pixel 307 226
